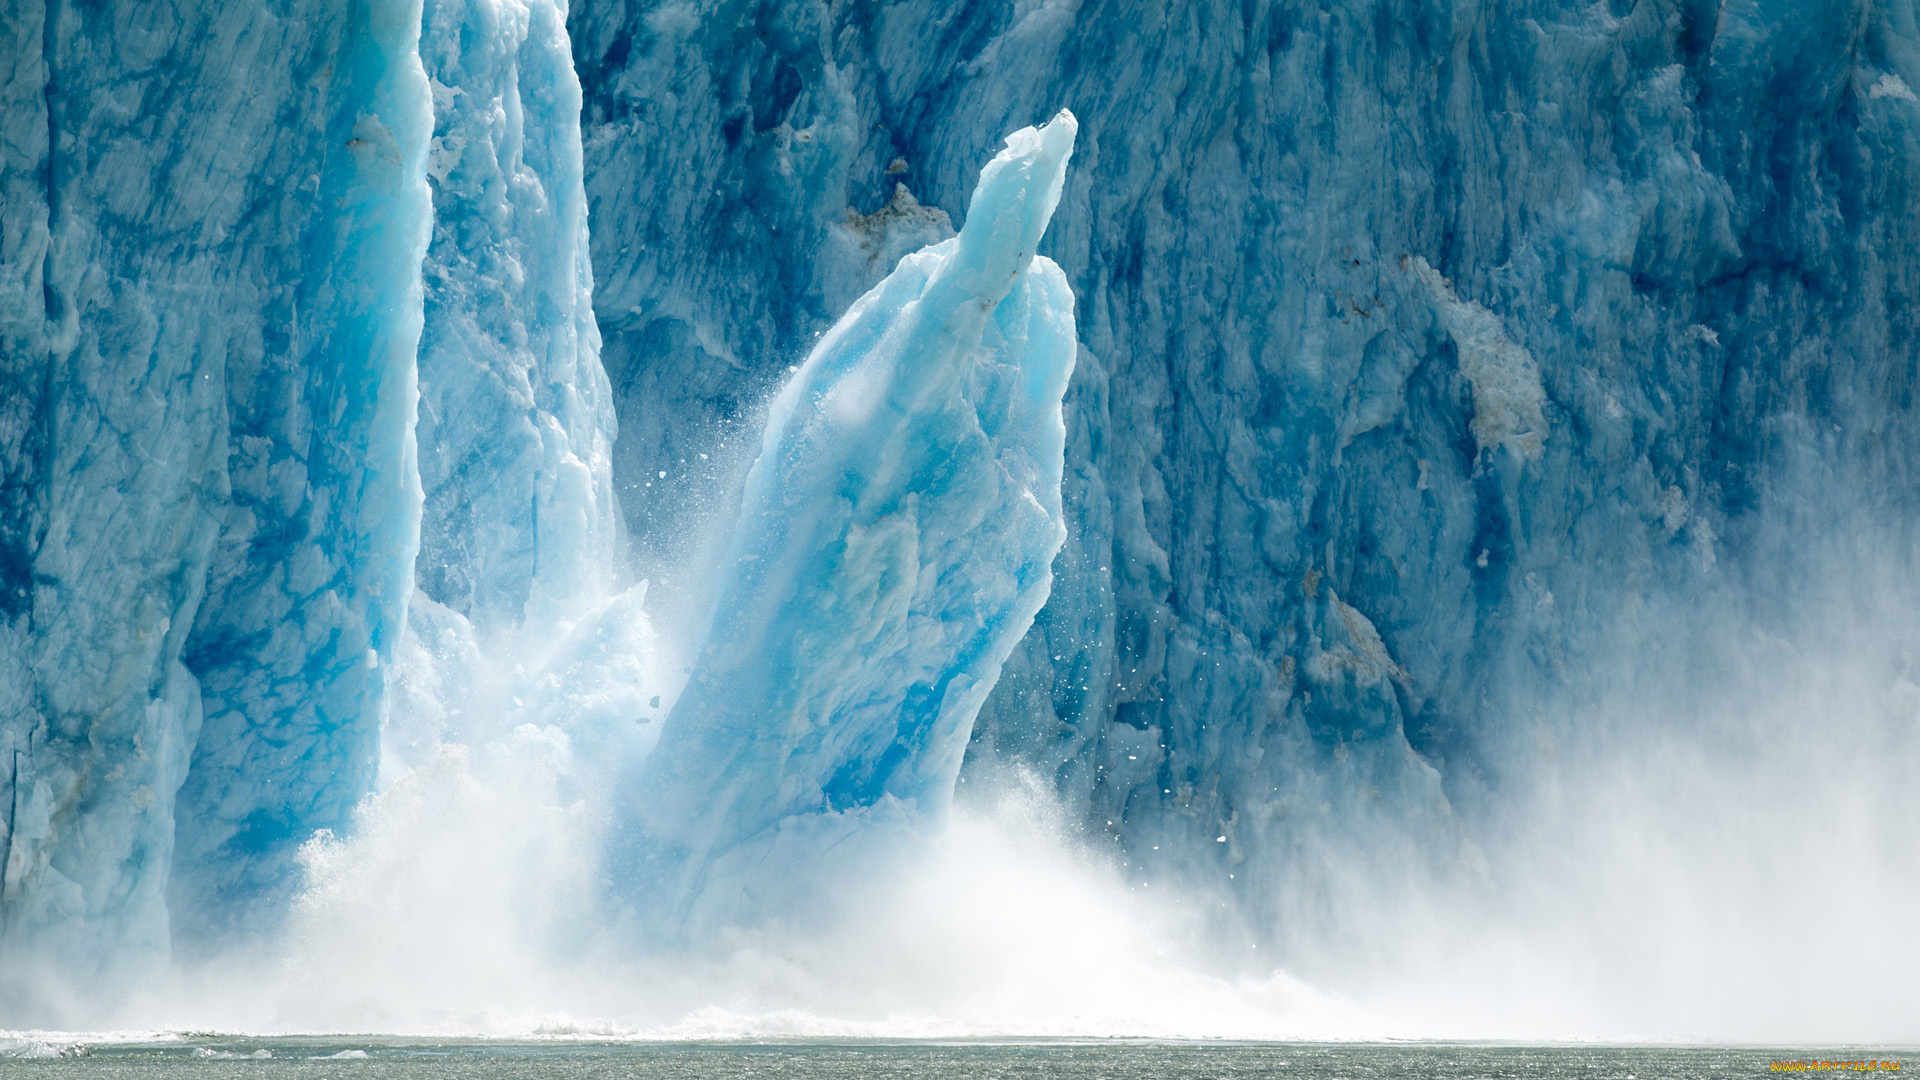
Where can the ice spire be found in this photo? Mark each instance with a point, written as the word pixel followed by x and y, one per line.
pixel 894 541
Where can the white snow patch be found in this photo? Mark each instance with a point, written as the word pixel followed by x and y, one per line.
pixel 1893 86
pixel 1509 403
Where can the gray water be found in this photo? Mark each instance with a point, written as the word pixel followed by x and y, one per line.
pixel 314 1057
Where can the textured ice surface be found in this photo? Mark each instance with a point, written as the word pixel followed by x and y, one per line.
pixel 894 541
pixel 516 418
pixel 217 224
pixel 1443 367
pixel 307 590
pixel 1338 529
pixel 517 601
pixel 215 219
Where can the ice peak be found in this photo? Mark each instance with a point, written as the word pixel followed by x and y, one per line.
pixel 1011 207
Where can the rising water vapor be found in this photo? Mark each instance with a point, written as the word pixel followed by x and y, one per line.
pixel 1715 847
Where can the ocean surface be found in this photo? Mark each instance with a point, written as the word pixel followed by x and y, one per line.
pixel 194 1055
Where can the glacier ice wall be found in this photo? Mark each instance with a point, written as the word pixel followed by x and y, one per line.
pixel 211 461
pixel 513 518
pixel 219 338
pixel 92 764
pixel 1436 356
pixel 238 592
pixel 895 540
pixel 1443 369
pixel 517 560
pixel 516 415
pixel 307 589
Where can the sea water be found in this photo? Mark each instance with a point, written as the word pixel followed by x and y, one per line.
pixel 206 1055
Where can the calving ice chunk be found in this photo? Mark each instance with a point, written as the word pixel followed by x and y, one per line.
pixel 894 541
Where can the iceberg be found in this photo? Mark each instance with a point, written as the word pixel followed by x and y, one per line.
pixel 894 541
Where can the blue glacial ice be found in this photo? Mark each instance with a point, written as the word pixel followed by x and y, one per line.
pixel 215 222
pixel 516 416
pixel 1454 387
pixel 227 620
pixel 306 591
pixel 229 307
pixel 516 422
pixel 894 541
pixel 1448 368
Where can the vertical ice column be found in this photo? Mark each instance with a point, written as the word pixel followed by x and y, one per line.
pixel 514 621
pixel 111 447
pixel 516 419
pixel 894 542
pixel 309 588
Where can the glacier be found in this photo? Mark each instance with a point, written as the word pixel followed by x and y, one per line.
pixel 1454 374
pixel 331 259
pixel 401 236
pixel 1415 438
pixel 894 541
pixel 215 500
